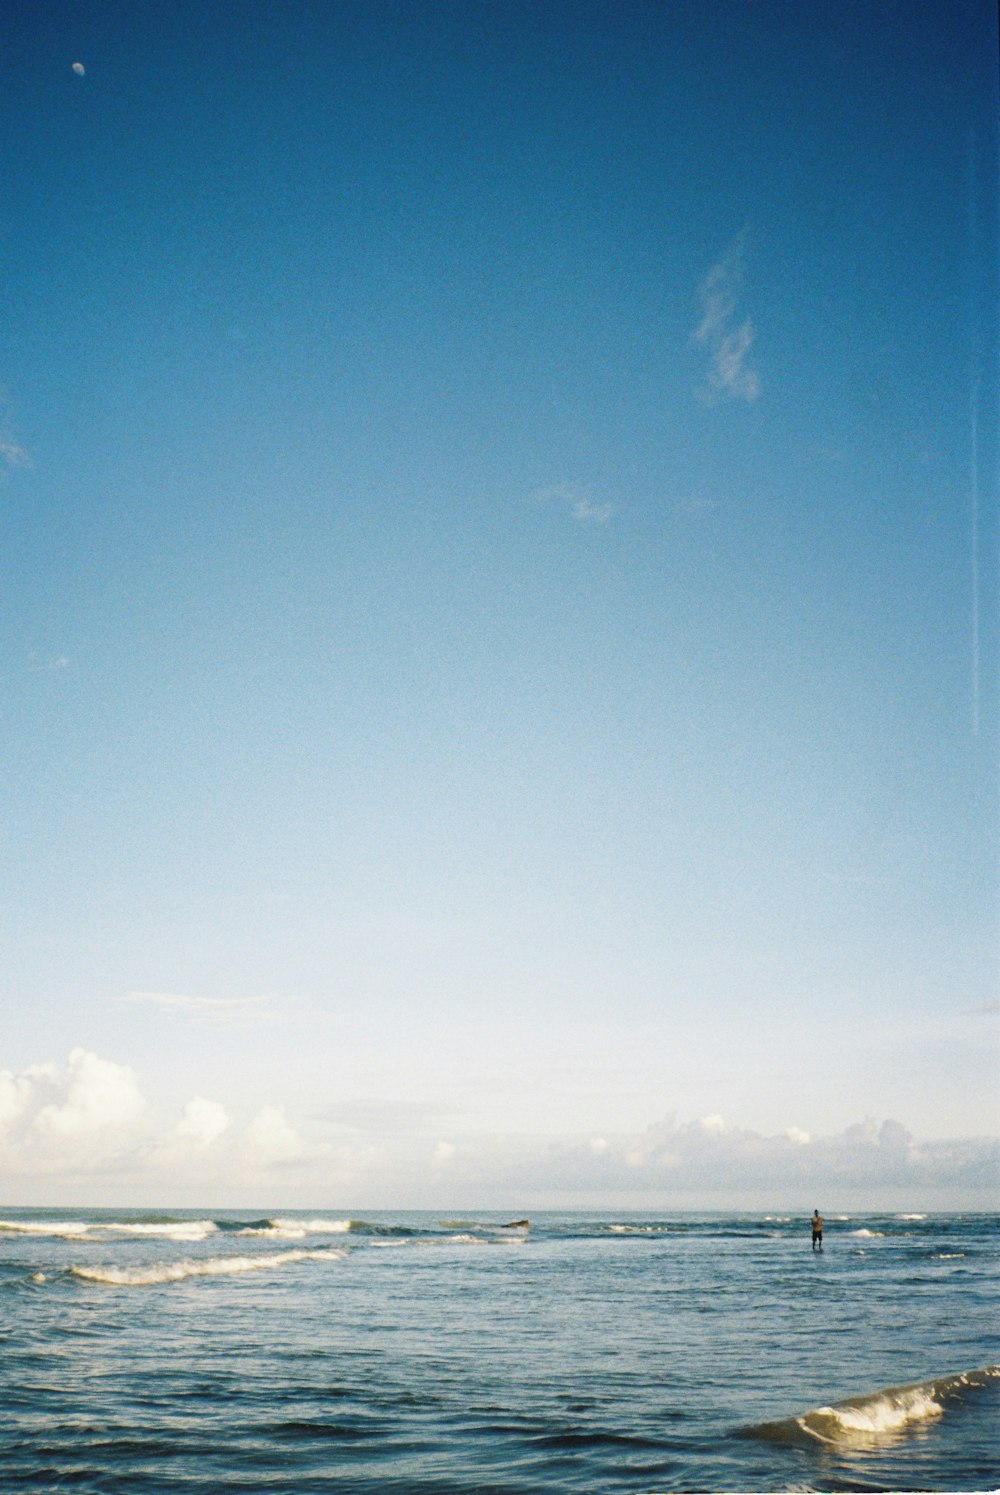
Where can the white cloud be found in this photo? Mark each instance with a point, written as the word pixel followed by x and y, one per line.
pixel 591 513
pixel 269 1139
pixel 727 342
pixel 91 1118
pixel 100 1097
pixel 710 1156
pixel 193 1138
pixel 728 375
pixel 80 1117
pixel 12 454
pixel 721 286
pixel 578 502
pixel 202 1123
pixel 87 1125
pixel 210 1012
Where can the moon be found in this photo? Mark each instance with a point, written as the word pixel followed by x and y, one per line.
pixel 79 69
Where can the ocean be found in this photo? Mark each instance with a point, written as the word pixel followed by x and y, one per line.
pixel 200 1351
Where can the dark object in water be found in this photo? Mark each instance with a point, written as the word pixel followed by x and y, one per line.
pixel 516 1225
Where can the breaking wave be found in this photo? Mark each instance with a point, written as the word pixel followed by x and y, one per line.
pixel 880 1417
pixel 213 1266
pixel 79 1230
pixel 67 1230
pixel 170 1230
pixel 295 1230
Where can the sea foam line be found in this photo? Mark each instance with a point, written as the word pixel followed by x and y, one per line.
pixel 213 1266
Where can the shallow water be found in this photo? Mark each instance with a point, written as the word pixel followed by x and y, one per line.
pixel 218 1351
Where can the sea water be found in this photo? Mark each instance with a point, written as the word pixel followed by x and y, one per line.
pixel 219 1351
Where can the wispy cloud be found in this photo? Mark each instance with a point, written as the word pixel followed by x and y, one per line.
pixel 13 455
pixel 725 336
pixel 38 665
pixel 578 502
pixel 210 1012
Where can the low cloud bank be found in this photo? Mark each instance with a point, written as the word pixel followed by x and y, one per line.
pixel 87 1127
pixel 710 1155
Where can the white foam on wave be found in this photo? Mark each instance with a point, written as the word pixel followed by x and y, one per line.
pixel 67 1230
pixel 312 1227
pixel 911 1217
pixel 273 1232
pixel 884 1416
pixel 213 1266
pixel 171 1230
pixel 949 1256
pixel 865 1234
pixel 79 1230
pixel 887 1413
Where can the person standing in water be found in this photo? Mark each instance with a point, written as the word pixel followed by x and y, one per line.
pixel 817 1229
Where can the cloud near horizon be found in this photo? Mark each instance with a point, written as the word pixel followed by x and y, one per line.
pixel 90 1119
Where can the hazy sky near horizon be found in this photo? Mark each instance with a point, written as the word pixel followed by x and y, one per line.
pixel 498 636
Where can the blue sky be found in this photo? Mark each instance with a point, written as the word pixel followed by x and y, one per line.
pixel 499 625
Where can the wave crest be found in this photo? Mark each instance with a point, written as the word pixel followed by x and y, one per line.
pixel 213 1266
pixel 171 1230
pixel 882 1416
pixel 79 1230
pixel 67 1230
